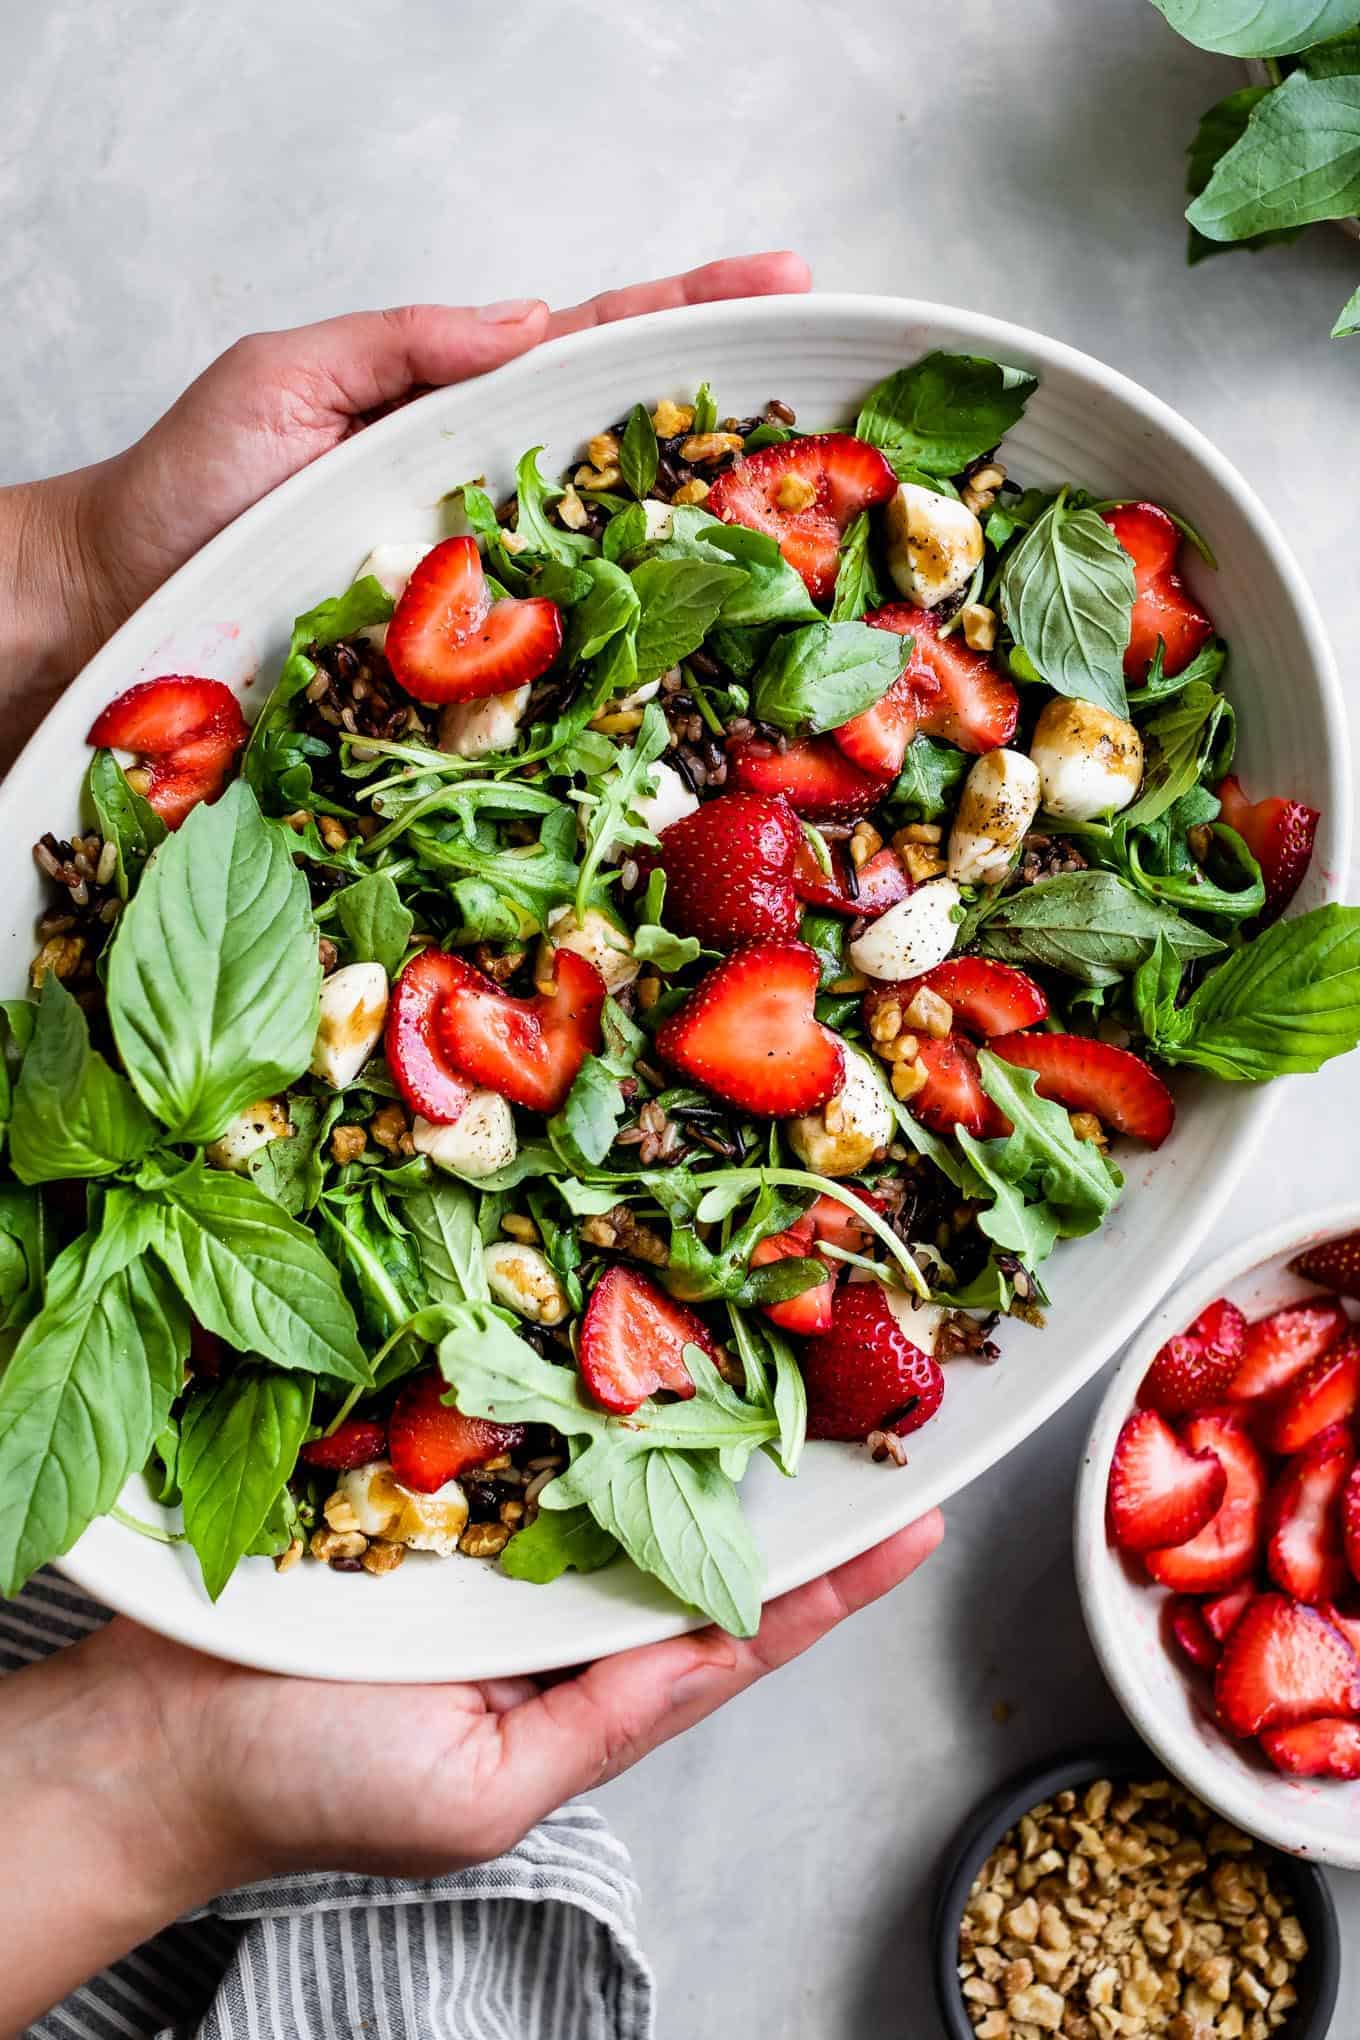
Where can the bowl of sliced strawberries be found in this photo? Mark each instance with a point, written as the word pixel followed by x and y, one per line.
pixel 1218 1536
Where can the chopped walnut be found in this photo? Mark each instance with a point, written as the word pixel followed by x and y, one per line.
pixel 390 1129
pixel 621 1233
pixel 670 420
pixel 703 448
pixel 347 1144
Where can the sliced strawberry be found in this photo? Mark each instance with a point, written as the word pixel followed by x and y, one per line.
pixel 810 1310
pixel 353 1443
pixel 1191 1633
pixel 1197 1366
pixel 425 1077
pixel 1350 1523
pixel 448 641
pixel 1315 1749
pixel 1279 834
pixel 864 1374
pixel 1225 1552
pixel 1326 1393
pixel 730 868
pixel 430 1442
pixel 877 739
pixel 1303 1519
pixel 1280 1346
pixel 1223 1612
pixel 1346 1618
pixel 1333 1263
pixel 187 731
pixel 961 696
pixel 767 491
pixel 748 1032
pixel 986 998
pixel 813 774
pixel 838 1224
pixel 1163 606
pixel 952 1094
pixel 1162 1491
pixel 633 1340
pixel 527 1049
pixel 1284 1664
pixel 879 883
pixel 1094 1076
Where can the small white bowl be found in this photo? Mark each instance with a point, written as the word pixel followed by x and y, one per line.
pixel 1166 1701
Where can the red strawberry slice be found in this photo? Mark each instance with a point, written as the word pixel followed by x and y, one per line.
pixel 864 1374
pixel 527 1049
pixel 810 1310
pixel 748 1032
pixel 1280 1346
pixel 1095 1076
pixel 1197 1366
pixel 1303 1520
pixel 877 739
pixel 187 731
pixel 1347 1620
pixel 729 870
pixel 1163 606
pixel 1225 1552
pixel 448 641
pixel 1279 834
pixel 1284 1664
pixel 430 1442
pixel 1333 1263
pixel 1315 1749
pixel 986 998
pixel 353 1443
pixel 633 1340
pixel 961 696
pixel 1162 1491
pixel 838 1224
pixel 952 1094
pixel 426 1078
pixel 879 883
pixel 812 773
pixel 1350 1523
pixel 767 491
pixel 1223 1612
pixel 1326 1393
pixel 1191 1633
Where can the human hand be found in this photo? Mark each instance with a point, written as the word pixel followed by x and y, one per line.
pixel 175 1776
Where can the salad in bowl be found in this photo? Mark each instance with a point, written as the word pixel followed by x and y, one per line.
pixel 665 970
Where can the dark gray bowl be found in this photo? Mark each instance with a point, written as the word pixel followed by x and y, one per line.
pixel 1317 1982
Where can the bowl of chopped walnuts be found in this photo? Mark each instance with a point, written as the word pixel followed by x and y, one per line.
pixel 1093 1896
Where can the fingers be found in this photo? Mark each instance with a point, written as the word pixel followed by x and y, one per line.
pixel 736 276
pixel 367 359
pixel 578 1734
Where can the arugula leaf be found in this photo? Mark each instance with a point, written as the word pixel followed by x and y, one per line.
pixel 1219 130
pixel 214 977
pixel 238 1444
pixel 1348 318
pixel 680 599
pixel 1043 1154
pixel 766 1353
pixel 611 607
pixel 1067 595
pixel 612 820
pixel 534 496
pixel 1298 161
pixel 1284 1004
pixel 255 1277
pixel 944 410
pixel 1010 514
pixel 505 894
pixel 1192 889
pixel 593 1110
pixel 85 1392
pixel 928 784
pixel 443 1220
pixel 558 1541
pixel 1089 924
pixel 856 588
pixel 1257 28
pixel 820 676
pixel 377 924
pixel 1206 666
pixel 1186 749
pixel 276 761
pixel 638 452
pixel 125 819
pixel 73 1115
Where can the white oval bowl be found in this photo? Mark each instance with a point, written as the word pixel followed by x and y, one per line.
pixel 228 612
pixel 1166 1702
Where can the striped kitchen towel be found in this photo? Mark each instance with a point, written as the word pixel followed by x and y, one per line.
pixel 539 1945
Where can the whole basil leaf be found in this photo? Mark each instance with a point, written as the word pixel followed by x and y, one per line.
pixel 443 1221
pixel 944 411
pixel 1298 161
pixel 1067 595
pixel 638 452
pixel 593 1110
pixel 214 977
pixel 1091 925
pixel 773 592
pixel 1257 28
pixel 1338 57
pixel 625 531
pixel 856 588
pixel 73 1115
pixel 558 1541
pixel 820 676
pixel 376 921
pixel 23 1235
pixel 125 819
pixel 291 1169
pixel 1220 129
pixel 681 600
pixel 255 1277
pixel 238 1444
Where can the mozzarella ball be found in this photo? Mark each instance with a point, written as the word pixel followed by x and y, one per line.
pixel 920 1321
pixel 524 1279
pixel 999 800
pixel 913 936
pixel 350 1022
pixel 932 544
pixel 1090 762
pixel 481 1139
pixel 384 1508
pixel 659 518
pixel 671 801
pixel 843 1136
pixel 391 567
pixel 252 1129
pixel 469 729
pixel 596 938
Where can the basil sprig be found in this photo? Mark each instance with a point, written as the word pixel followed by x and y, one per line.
pixel 1067 596
pixel 943 411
